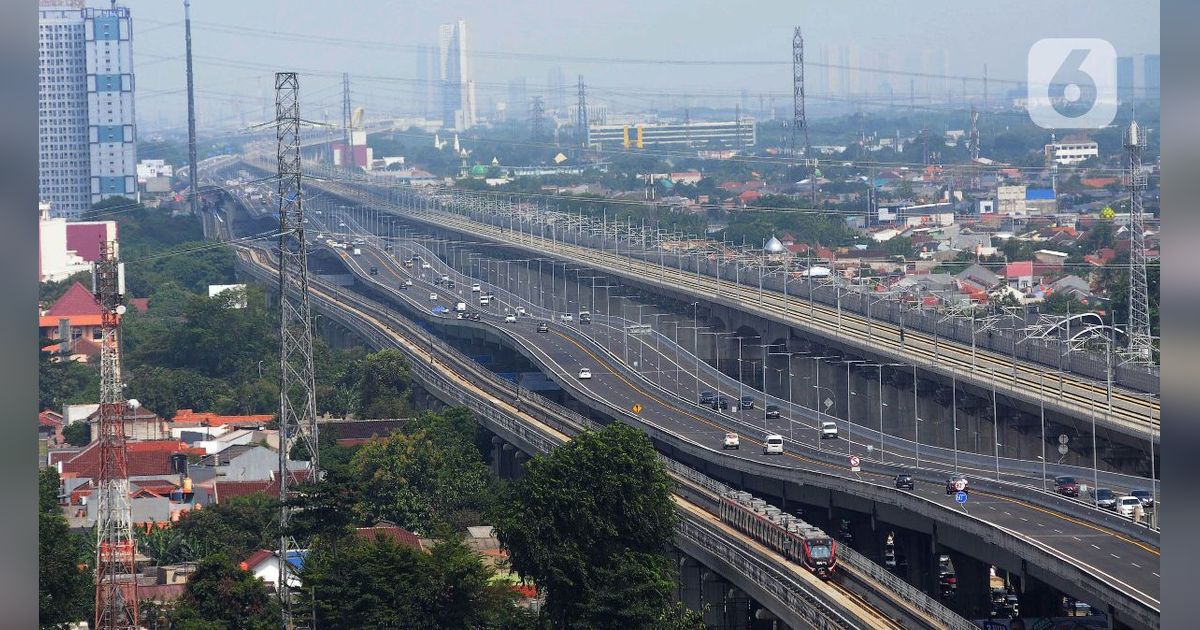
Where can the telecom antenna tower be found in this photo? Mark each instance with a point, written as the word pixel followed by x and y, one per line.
pixel 297 397
pixel 116 548
pixel 537 112
pixel 1141 343
pixel 347 116
pixel 581 115
pixel 191 105
pixel 799 121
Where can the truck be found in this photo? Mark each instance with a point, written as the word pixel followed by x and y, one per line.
pixel 461 307
pixel 485 300
pixel 357 251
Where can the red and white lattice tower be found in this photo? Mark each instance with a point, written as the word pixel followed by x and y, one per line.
pixel 116 549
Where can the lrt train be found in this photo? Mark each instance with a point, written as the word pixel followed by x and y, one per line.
pixel 798 541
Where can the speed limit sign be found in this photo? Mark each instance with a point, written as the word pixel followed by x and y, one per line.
pixel 960 485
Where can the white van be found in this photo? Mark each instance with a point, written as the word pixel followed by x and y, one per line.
pixel 461 307
pixel 485 300
pixel 773 445
pixel 829 430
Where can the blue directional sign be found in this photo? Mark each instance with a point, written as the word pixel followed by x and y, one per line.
pixel 960 497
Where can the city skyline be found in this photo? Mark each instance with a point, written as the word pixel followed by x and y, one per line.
pixel 657 62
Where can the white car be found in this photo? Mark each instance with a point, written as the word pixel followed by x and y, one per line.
pixel 585 373
pixel 408 283
pixel 425 265
pixel 567 317
pixel 829 430
pixel 432 297
pixel 773 445
pixel 521 311
pixel 510 318
pixel 1127 505
pixel 731 441
pixel 475 288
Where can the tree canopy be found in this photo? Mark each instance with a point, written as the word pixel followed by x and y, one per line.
pixel 589 524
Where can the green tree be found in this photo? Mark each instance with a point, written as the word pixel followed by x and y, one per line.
pixel 235 527
pixel 426 479
pixel 221 596
pixel 383 385
pixel 78 433
pixel 590 518
pixel 64 581
pixel 62 383
pixel 379 584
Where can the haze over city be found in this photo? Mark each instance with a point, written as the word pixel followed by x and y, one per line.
pixel 624 49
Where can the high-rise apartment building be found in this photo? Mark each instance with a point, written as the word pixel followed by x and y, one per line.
pixel 1152 79
pixel 458 88
pixel 86 125
pixel 1125 79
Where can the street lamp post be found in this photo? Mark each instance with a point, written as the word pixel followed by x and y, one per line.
pixel 849 422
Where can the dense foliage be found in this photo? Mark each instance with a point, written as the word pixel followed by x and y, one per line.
pixel 64 577
pixel 589 524
pixel 379 584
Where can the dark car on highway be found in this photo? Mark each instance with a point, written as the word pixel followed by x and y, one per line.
pixel 746 402
pixel 1146 497
pixel 706 398
pixel 772 411
pixel 904 481
pixel 720 403
pixel 1066 486
pixel 543 327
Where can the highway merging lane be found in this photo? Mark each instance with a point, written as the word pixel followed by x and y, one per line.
pixel 1107 553
pixel 836 593
pixel 1130 410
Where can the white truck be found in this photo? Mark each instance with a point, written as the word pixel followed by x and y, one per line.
pixel 357 251
pixel 461 307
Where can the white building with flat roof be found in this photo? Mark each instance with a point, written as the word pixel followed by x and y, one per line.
pixel 1067 153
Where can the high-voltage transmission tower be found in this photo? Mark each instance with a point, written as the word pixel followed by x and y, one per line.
pixel 799 120
pixel 537 115
pixel 347 117
pixel 297 397
pixel 973 139
pixel 116 548
pixel 1141 343
pixel 191 106
pixel 581 115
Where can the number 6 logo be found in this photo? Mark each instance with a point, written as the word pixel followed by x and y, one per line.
pixel 1072 83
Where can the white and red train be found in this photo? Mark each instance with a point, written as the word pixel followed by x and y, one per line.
pixel 795 539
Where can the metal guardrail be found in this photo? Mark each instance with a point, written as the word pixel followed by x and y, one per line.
pixel 1079 509
pixel 814 611
pixel 926 604
pixel 800 601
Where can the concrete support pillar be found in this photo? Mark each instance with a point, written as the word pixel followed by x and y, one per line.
pixel 497 443
pixel 712 598
pixel 974 591
pixel 738 613
pixel 507 453
pixel 519 459
pixel 690 583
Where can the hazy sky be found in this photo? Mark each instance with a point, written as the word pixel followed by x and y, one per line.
pixel 235 56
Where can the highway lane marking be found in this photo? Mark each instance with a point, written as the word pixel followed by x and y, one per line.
pixel 1155 574
pixel 705 421
pixel 1114 555
pixel 1096 546
pixel 1079 522
pixel 1136 565
pixel 855 322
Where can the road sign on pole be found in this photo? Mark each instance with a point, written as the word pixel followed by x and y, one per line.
pixel 960 497
pixel 1062 449
pixel 1063 439
pixel 854 462
pixel 960 485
